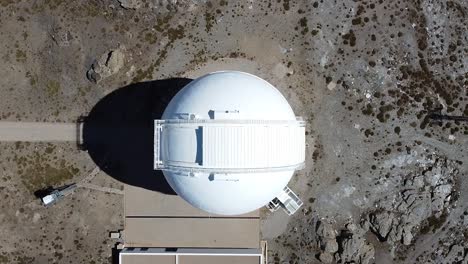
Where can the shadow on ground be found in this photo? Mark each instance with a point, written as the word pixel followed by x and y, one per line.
pixel 118 132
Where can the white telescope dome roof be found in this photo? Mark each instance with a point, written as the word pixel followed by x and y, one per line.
pixel 229 142
pixel 252 96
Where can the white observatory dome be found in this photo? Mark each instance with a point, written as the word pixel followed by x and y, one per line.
pixel 229 142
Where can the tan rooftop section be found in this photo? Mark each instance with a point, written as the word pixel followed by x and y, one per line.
pixel 162 259
pixel 142 202
pixel 192 232
pixel 191 256
pixel 154 219
pixel 148 259
pixel 219 259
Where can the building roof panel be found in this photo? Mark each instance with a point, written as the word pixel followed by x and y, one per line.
pixel 192 232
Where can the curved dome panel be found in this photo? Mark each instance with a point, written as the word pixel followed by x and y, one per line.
pixel 229 194
pixel 252 96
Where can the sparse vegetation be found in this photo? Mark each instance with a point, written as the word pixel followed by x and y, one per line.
pixel 39 169
pixel 20 55
pixel 53 88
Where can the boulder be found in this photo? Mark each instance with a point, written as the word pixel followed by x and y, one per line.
pixel 131 4
pixel 108 64
pixel 325 257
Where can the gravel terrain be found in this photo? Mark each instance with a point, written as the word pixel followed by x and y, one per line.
pixel 384 181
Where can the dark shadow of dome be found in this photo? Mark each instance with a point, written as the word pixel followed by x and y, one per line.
pixel 118 132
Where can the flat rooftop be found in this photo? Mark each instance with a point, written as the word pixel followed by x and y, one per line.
pixel 154 219
pixel 190 256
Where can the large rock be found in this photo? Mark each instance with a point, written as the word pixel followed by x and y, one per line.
pixel 108 64
pixel 355 249
pixel 326 235
pixel 407 236
pixel 325 230
pixel 325 257
pixel 331 246
pixel 418 204
pixel 347 247
pixel 381 223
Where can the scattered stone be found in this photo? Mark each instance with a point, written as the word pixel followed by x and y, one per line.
pixel 326 241
pixel 131 71
pixel 62 39
pixel 325 230
pixel 325 257
pixel 331 86
pixel 284 50
pixel 351 227
pixel 280 70
pixel 61 36
pixel 131 4
pixel 36 217
pixel 155 4
pixel 107 65
pixel 451 248
pixel 331 246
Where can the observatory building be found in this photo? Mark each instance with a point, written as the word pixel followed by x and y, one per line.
pixel 228 144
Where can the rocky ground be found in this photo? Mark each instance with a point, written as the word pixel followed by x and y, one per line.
pixel 384 183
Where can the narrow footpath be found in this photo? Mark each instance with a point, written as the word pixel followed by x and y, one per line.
pixel 38 131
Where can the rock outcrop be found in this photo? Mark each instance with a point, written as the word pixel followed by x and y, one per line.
pixel 106 65
pixel 348 246
pixel 421 202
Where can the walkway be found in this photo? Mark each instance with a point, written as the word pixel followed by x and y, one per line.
pixel 38 131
